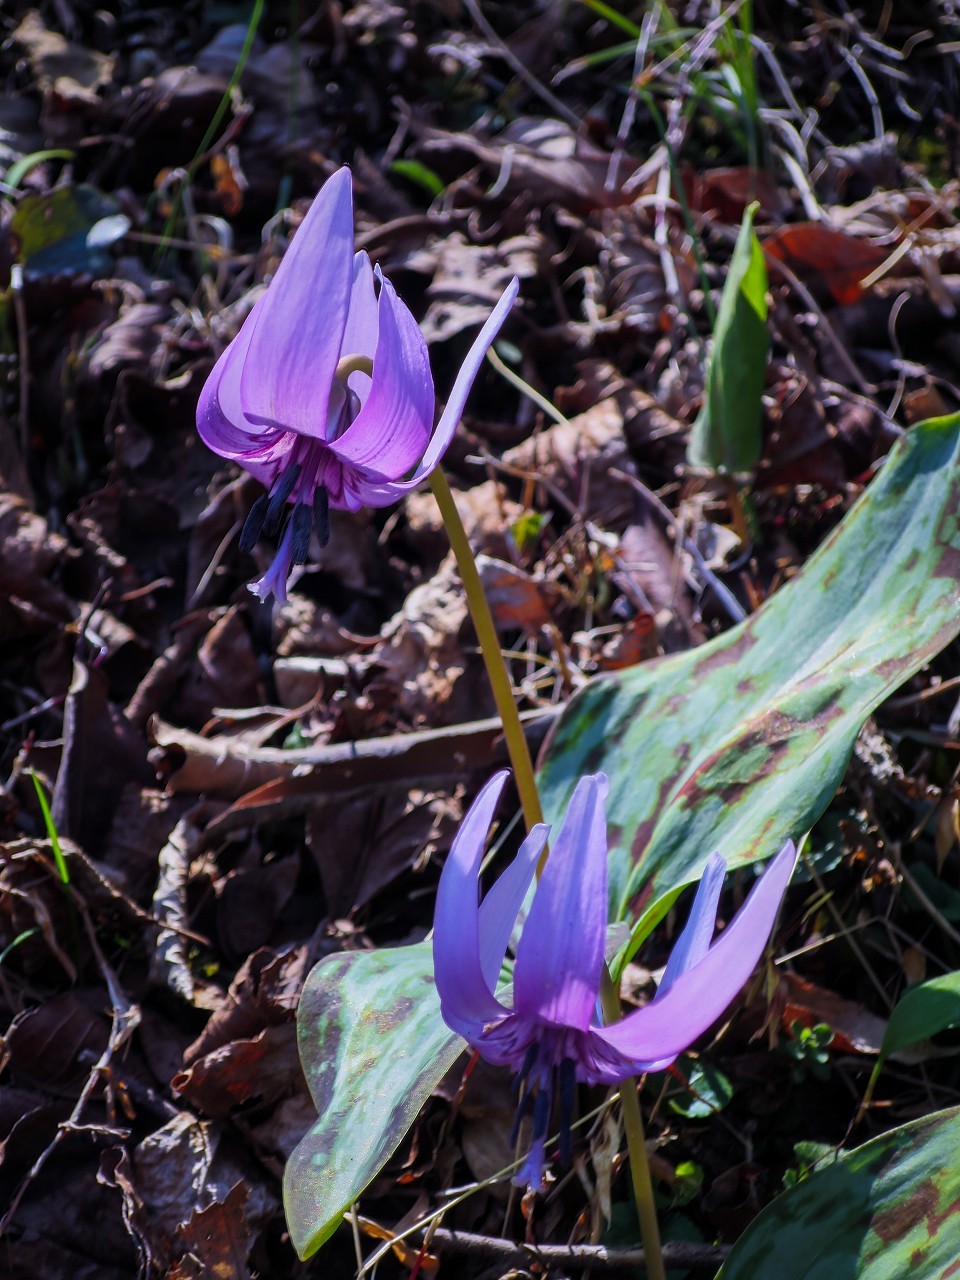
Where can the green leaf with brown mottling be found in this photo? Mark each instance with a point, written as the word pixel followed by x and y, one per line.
pixel 733 746
pixel 373 1047
pixel 886 1210
pixel 743 742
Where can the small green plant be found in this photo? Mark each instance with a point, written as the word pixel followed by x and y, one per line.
pixel 809 1050
pixel 59 859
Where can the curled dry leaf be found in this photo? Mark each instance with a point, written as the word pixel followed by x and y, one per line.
pixel 518 601
pixel 29 600
pixel 261 1069
pixel 423 657
pixel 577 458
pixel 176 1174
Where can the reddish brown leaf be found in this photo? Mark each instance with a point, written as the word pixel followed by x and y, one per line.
pixel 830 262
pixel 855 1029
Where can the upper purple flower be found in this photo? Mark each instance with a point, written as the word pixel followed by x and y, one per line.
pixel 325 395
pixel 552 1034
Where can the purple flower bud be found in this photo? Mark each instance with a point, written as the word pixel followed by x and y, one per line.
pixel 552 1034
pixel 326 389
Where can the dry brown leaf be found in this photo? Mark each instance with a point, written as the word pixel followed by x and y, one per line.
pixel 578 456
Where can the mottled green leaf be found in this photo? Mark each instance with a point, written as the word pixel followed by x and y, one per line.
pixel 741 743
pixel 373 1047
pixel 921 1012
pixel 887 1210
pixel 726 435
pixel 66 231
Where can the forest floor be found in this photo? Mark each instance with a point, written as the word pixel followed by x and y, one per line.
pixel 209 849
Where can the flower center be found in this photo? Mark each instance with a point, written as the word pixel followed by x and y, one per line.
pixel 547 1081
pixel 306 475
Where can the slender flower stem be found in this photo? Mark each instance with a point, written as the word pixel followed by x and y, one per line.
pixel 636 1149
pixel 532 813
pixel 497 673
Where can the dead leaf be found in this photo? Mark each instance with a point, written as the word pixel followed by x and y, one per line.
pixel 578 456
pixel 259 1070
pixel 467 280
pixel 422 656
pixel 854 1028
pixel 225 673
pixel 386 833
pixel 517 600
pixel 68 69
pixel 54 1045
pixel 830 262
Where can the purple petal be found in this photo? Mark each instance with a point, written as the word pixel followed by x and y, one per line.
pixel 694 942
pixel 560 955
pixel 655 1034
pixel 467 1002
pixel 389 433
pixel 360 333
pixel 295 346
pixel 501 906
pixel 449 419
pixel 220 419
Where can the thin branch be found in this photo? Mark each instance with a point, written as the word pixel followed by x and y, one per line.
pixel 596 1257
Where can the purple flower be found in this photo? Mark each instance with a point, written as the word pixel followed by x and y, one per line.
pixel 552 1035
pixel 325 395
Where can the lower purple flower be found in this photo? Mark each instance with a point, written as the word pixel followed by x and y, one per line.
pixel 552 1036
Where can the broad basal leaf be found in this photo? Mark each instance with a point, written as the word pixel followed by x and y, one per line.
pixel 883 1212
pixel 373 1047
pixel 741 743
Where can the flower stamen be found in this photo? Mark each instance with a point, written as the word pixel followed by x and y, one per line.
pixel 302 521
pixel 253 525
pixel 281 492
pixel 321 515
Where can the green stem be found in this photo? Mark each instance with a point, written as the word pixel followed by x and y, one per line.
pixel 497 673
pixel 636 1149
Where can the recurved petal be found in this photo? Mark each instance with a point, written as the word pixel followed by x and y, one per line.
pixel 655 1034
pixel 390 432
pixel 501 906
pixel 693 943
pixel 466 1000
pixel 295 345
pixel 220 420
pixel 447 426
pixel 557 974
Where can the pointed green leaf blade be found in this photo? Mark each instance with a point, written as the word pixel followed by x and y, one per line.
pixel 726 435
pixel 921 1012
pixel 373 1047
pixel 887 1210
